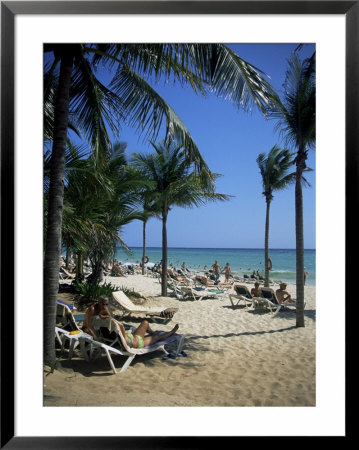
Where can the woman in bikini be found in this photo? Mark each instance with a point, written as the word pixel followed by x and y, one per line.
pixel 141 337
pixel 144 335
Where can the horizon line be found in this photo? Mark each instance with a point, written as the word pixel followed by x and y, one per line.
pixel 221 248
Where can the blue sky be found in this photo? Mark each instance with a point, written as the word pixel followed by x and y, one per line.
pixel 230 141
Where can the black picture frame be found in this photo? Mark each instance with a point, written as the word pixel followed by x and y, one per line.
pixel 9 9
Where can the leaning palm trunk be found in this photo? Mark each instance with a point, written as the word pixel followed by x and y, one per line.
pixel 299 241
pixel 54 221
pixel 164 253
pixel 266 246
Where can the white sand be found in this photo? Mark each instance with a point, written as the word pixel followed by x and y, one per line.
pixel 236 357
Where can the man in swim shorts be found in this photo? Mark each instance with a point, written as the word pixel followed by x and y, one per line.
pixel 216 270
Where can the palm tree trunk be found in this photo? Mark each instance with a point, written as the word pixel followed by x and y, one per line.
pixel 56 195
pixel 164 253
pixel 266 246
pixel 80 266
pixel 299 235
pixel 143 246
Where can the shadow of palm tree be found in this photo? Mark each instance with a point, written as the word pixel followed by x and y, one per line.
pixel 287 314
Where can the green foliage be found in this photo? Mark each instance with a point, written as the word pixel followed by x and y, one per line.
pixel 88 293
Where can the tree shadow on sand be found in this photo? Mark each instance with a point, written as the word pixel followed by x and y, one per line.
pixel 287 314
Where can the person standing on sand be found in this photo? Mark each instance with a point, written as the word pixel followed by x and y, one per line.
pixel 227 272
pixel 283 296
pixel 216 269
pixel 138 339
pixel 305 276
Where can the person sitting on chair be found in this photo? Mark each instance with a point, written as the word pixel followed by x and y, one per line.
pixel 255 291
pixel 283 296
pixel 101 310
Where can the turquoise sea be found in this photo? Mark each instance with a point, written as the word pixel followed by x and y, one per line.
pixel 242 261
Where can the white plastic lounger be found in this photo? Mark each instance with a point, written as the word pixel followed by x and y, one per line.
pixel 273 302
pixel 188 291
pixel 125 350
pixel 65 317
pixel 129 307
pixel 74 340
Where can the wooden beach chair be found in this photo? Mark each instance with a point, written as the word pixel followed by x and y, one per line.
pixel 97 348
pixel 157 314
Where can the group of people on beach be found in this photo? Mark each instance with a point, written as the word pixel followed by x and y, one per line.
pixel 283 296
pixel 144 335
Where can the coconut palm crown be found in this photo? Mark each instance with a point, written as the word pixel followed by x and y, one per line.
pixel 274 168
pixel 175 184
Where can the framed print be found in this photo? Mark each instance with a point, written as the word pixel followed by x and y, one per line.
pixel 198 398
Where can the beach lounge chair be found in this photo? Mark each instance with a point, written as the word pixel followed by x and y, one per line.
pixel 64 316
pixel 198 293
pixel 69 330
pixel 124 350
pixel 157 314
pixel 176 290
pixel 66 275
pixel 74 339
pixel 273 302
pixel 242 294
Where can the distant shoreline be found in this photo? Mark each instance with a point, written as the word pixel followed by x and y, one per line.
pixel 220 248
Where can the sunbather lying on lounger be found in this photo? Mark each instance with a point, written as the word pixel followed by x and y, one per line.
pixel 144 335
pixel 138 339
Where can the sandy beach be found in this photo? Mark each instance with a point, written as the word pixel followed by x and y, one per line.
pixel 235 357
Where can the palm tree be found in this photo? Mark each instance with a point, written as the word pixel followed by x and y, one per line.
pixel 99 200
pixel 72 91
pixel 176 183
pixel 274 170
pixel 297 120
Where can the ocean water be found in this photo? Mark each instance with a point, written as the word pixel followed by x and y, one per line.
pixel 242 261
